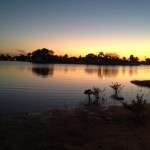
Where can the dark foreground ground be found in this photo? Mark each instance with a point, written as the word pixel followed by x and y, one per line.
pixel 90 128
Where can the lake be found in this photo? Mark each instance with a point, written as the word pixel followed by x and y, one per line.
pixel 26 87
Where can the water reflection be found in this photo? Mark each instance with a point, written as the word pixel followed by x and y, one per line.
pixel 34 87
pixel 109 71
pixel 133 70
pixel 103 71
pixel 43 71
pixel 100 71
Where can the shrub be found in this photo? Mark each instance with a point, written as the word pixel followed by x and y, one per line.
pixel 137 107
pixel 89 92
pixel 117 87
pixel 97 93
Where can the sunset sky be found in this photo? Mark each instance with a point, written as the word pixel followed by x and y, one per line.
pixel 76 27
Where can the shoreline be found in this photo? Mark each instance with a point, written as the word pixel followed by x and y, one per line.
pixel 53 63
pixel 141 83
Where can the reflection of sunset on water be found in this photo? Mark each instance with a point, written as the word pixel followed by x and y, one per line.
pixel 56 84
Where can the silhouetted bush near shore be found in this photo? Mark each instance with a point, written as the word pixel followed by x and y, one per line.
pixel 98 96
pixel 45 55
pixel 117 87
pixel 137 106
pixel 89 92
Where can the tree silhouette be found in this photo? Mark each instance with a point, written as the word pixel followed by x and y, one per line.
pixel 45 55
pixel 117 87
pixel 147 61
pixel 96 92
pixel 91 59
pixel 133 59
pixel 42 55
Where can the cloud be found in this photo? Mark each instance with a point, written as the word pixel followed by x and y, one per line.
pixel 12 51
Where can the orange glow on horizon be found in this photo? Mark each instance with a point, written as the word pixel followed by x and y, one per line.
pixel 76 46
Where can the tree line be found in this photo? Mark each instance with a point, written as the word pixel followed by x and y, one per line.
pixel 48 56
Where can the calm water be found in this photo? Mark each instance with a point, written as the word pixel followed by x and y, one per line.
pixel 26 87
